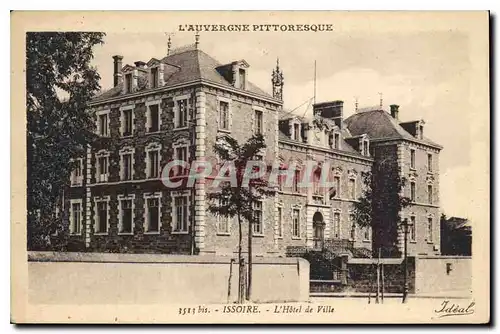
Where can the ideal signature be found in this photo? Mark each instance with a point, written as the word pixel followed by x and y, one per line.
pixel 448 309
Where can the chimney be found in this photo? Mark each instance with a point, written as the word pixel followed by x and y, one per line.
pixel 117 76
pixel 196 40
pixel 332 110
pixel 394 111
pixel 140 64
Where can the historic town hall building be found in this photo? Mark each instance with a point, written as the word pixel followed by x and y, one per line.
pixel 176 106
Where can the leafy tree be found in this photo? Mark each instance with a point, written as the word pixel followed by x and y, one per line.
pixel 238 199
pixel 456 236
pixel 59 83
pixel 380 205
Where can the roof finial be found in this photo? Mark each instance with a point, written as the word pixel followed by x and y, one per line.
pixel 277 80
pixel 381 100
pixel 169 45
pixel 196 39
pixel 356 100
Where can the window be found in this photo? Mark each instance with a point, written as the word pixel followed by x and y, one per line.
pixel 102 217
pixel 103 124
pixel 154 77
pixel 223 115
pixel 127 122
pixel 353 226
pixel 76 174
pixel 296 180
pixel 296 223
pixel 429 162
pixel 102 167
pixel 126 211
pixel 281 179
pixel 153 163
pixel 336 225
pixel 336 181
pixel 258 122
pixel 127 166
pixel 412 191
pixel 316 183
pixel 366 233
pixel 336 141
pixel 153 214
pixel 280 222
pixel 223 221
pixel 412 158
pixel 182 113
pixel 366 148
pixel 181 214
pixel 154 118
pixel 257 218
pixel 128 82
pixel 429 229
pixel 412 229
pixel 181 153
pixel 242 78
pixel 429 193
pixel 296 132
pixel 352 188
pixel 76 217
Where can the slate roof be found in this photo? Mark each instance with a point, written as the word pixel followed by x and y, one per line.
pixel 284 115
pixel 345 133
pixel 186 65
pixel 379 124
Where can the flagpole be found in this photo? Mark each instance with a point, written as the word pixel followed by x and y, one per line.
pixel 314 102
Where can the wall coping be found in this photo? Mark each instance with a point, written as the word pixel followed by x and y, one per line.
pixel 152 258
pixel 443 257
pixel 375 260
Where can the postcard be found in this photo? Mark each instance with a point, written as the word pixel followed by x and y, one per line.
pixel 250 167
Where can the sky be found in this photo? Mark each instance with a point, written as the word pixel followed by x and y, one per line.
pixel 427 73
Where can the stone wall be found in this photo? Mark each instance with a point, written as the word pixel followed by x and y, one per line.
pixel 96 278
pixel 362 277
pixel 444 275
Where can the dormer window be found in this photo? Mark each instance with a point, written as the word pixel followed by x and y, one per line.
pixel 296 132
pixel 242 78
pixel 336 140
pixel 128 82
pixel 154 77
pixel 295 129
pixel 235 73
pixel 366 148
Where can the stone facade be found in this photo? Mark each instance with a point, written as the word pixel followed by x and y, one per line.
pixel 295 217
pixel 422 208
